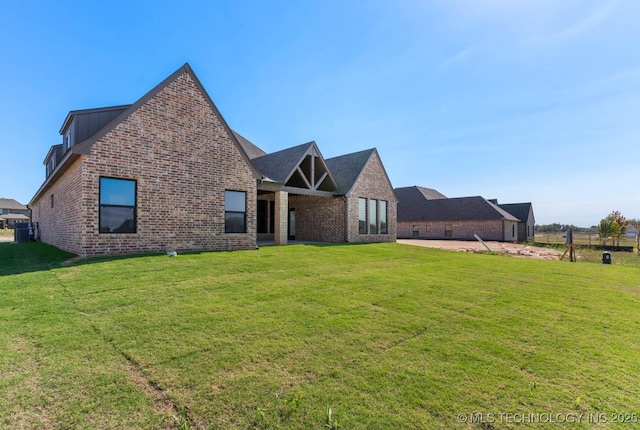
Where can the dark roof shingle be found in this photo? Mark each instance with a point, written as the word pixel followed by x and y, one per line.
pixel 346 169
pixel 413 206
pixel 11 204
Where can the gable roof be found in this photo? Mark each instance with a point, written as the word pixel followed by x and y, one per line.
pixel 250 148
pixel 474 208
pixel 55 149
pixel 417 193
pixel 430 193
pixel 11 204
pixel 300 167
pixel 347 168
pixel 84 147
pixel 518 210
pixel 279 166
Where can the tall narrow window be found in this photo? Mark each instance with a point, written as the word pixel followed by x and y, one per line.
pixel 235 212
pixel 384 228
pixel 263 218
pixel 117 205
pixel 373 216
pixel 66 140
pixel 362 216
pixel 416 231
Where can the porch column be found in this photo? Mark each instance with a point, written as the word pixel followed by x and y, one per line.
pixel 281 213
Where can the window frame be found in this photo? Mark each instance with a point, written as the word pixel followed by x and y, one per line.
pixel 227 224
pixel 102 205
pixel 363 222
pixel 373 216
pixel 383 216
pixel 66 141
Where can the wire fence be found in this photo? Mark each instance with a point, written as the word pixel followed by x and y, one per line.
pixel 584 239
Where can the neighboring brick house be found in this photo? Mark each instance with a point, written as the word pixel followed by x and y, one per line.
pixel 167 173
pixel 527 221
pixel 461 218
pixel 12 212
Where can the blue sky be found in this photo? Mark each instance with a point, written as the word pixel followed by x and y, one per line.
pixel 525 101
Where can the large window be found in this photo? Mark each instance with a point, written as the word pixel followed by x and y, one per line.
pixel 235 212
pixel 117 205
pixel 362 216
pixel 373 216
pixel 384 227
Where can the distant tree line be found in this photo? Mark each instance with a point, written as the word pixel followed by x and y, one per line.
pixel 611 228
pixel 561 228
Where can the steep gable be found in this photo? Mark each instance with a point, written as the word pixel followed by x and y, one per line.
pixel 349 169
pixel 518 210
pixel 249 147
pixel 84 147
pixel 301 167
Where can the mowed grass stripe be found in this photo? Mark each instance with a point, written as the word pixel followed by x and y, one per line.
pixel 384 334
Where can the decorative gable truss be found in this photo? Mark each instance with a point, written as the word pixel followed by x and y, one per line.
pixel 297 170
pixel 312 173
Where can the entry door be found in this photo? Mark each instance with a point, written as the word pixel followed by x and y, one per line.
pixel 292 224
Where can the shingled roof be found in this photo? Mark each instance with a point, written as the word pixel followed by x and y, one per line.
pixel 249 147
pixel 84 147
pixel 413 206
pixel 346 169
pixel 417 193
pixel 11 204
pixel 278 166
pixel 518 210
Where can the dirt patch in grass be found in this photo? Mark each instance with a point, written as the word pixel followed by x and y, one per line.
pixel 630 290
pixel 507 248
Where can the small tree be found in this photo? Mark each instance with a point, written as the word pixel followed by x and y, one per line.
pixel 622 224
pixel 608 227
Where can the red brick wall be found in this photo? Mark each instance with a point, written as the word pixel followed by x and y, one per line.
pixel 183 160
pixel 60 225
pixel 460 230
pixel 372 184
pixel 319 219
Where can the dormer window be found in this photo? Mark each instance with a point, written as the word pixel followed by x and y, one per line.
pixel 51 165
pixel 66 141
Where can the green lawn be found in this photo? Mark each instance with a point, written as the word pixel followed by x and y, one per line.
pixel 385 335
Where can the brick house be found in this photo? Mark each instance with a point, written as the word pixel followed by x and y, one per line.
pixel 12 212
pixel 167 173
pixel 526 219
pixel 427 216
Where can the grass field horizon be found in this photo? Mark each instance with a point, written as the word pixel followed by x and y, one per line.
pixel 381 335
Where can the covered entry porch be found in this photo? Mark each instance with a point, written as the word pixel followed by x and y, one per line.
pixel 296 198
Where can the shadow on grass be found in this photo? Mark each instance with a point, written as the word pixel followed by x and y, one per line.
pixel 16 258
